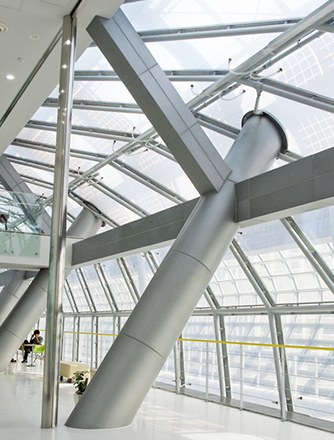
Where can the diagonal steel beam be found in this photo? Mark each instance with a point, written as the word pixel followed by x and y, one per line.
pixel 221 30
pixel 305 26
pixel 309 251
pixel 160 102
pixel 322 14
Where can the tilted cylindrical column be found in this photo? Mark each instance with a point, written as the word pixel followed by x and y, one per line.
pixel 136 357
pixel 12 292
pixel 32 304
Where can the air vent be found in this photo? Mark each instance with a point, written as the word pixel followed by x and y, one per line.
pixel 3 28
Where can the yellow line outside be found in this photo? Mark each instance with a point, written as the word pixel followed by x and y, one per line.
pixel 222 342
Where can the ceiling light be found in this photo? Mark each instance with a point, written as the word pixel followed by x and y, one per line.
pixel 10 77
pixel 3 28
pixel 34 37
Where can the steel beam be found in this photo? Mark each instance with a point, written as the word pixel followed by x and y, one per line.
pixel 159 101
pixel 221 30
pixel 283 357
pixel 301 186
pixel 298 309
pixel 69 299
pixel 91 181
pixel 261 198
pixel 252 275
pixel 106 287
pixel 222 352
pixel 309 251
pixel 292 93
pixel 156 230
pixel 101 133
pixel 295 33
pixel 128 279
pixel 85 289
pixel 82 104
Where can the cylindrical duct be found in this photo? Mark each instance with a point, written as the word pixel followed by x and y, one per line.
pixel 136 357
pixel 32 304
pixel 12 292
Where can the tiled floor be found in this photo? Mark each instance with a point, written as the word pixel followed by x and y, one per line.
pixel 163 416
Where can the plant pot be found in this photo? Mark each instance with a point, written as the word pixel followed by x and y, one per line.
pixel 77 397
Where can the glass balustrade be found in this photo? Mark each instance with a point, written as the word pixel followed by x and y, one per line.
pixel 20 224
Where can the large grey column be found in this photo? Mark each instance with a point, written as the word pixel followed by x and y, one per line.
pixel 32 304
pixel 136 357
pixel 58 226
pixel 12 292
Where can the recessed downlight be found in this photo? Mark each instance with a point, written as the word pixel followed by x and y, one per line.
pixel 10 77
pixel 3 28
pixel 34 37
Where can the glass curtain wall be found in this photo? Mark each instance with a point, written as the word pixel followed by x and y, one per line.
pixel 224 352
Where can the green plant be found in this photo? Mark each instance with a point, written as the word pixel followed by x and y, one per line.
pixel 80 382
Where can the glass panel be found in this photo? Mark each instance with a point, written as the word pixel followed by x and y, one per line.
pixel 118 286
pixel 311 371
pixel 166 375
pixel 96 291
pixel 85 340
pixel 68 336
pixel 77 292
pixel 66 302
pixel 106 339
pixel 196 355
pixel 259 382
pixel 231 286
pixel 140 270
pixel 21 224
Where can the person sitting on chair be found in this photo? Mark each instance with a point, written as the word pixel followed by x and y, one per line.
pixel 35 339
pixel 4 219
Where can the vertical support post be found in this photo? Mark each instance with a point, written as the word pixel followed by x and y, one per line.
pixel 96 343
pixel 316 385
pixel 92 331
pixel 74 336
pixel 219 355
pixel 114 329
pixel 241 377
pixel 77 339
pixel 177 367
pixel 182 369
pixel 295 384
pixel 283 406
pixel 278 365
pixel 58 228
pixel 62 339
pixel 207 372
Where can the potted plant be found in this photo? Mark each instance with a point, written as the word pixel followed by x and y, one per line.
pixel 80 383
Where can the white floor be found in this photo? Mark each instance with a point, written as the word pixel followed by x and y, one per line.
pixel 163 416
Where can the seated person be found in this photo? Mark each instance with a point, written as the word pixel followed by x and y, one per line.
pixel 35 339
pixel 4 219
